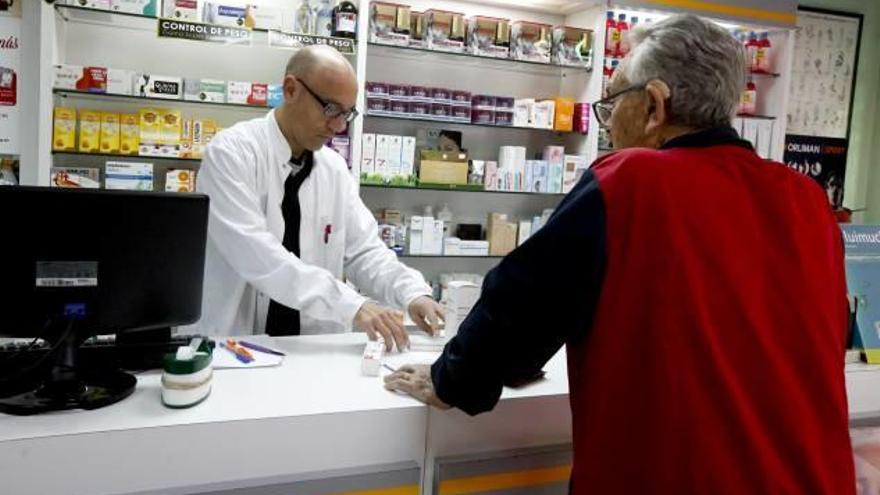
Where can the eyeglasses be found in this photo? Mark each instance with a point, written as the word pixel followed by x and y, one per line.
pixel 603 108
pixel 331 109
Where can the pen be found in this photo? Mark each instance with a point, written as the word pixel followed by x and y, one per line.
pixel 259 348
pixel 239 349
pixel 389 368
pixel 238 356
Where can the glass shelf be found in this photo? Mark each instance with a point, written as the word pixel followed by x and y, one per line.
pixel 128 20
pixel 387 49
pixel 451 122
pixel 110 96
pixel 126 157
pixel 461 190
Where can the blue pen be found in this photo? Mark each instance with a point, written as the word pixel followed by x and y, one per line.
pixel 238 356
pixel 259 348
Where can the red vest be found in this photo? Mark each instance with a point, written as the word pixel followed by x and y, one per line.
pixel 715 362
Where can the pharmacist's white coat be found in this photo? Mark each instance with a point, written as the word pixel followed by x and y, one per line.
pixel 243 172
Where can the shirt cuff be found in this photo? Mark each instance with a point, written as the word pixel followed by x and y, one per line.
pixel 349 307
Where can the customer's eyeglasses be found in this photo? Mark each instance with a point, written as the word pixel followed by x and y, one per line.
pixel 603 108
pixel 331 109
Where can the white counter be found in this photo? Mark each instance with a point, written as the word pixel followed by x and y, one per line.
pixel 314 413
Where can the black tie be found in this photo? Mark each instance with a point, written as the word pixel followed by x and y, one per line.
pixel 281 319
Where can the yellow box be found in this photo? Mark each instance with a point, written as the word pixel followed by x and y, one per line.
pixel 64 129
pixel 564 119
pixel 202 133
pixel 129 134
pixel 109 132
pixel 186 139
pixel 172 124
pixel 89 131
pixel 149 120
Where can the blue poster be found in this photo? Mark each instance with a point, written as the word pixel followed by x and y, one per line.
pixel 862 245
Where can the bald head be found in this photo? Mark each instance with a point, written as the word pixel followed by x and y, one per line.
pixel 319 60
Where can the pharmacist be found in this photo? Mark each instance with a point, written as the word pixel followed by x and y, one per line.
pixel 699 290
pixel 286 223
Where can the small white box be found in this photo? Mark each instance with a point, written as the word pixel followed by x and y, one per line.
pixel 133 176
pixel 371 362
pixel 452 246
pixel 408 156
pixel 182 10
pixel 94 4
pixel 143 7
pixel 153 86
pixel 523 109
pixel 207 90
pixel 368 153
pixel 224 14
pixel 765 138
pixel 579 165
pixel 66 76
pixel 458 300
pixel 437 248
pixel 395 147
pixel 382 149
pixel 525 231
pixel 237 92
pixel 119 81
pixel 416 235
pixel 544 114
pixel 428 242
pixel 474 248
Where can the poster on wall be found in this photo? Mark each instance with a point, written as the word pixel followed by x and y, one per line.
pixel 826 50
pixel 10 57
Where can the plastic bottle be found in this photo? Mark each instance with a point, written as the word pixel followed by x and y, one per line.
pixel 304 18
pixel 610 29
pixel 752 51
pixel 445 214
pixel 763 54
pixel 749 99
pixel 7 173
pixel 624 41
pixel 345 19
pixel 621 32
pixel 324 15
pixel 606 74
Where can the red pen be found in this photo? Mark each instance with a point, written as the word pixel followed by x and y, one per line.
pixel 328 229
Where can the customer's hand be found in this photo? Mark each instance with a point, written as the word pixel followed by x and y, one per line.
pixel 385 322
pixel 415 380
pixel 427 314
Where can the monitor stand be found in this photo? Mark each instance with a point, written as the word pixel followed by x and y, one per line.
pixel 69 386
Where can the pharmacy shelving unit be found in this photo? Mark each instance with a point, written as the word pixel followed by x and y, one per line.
pixel 778 22
pixel 480 75
pixel 80 36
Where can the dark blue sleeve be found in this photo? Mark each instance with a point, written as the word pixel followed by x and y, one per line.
pixel 540 296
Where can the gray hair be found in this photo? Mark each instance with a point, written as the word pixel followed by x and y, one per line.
pixel 314 57
pixel 703 64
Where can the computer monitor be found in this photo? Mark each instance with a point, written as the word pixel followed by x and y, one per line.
pixel 77 263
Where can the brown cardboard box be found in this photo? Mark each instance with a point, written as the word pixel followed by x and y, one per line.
pixel 439 167
pixel 502 235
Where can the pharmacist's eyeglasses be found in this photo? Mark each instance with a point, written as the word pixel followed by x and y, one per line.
pixel 332 110
pixel 603 108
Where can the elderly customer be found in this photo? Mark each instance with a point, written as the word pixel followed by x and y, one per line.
pixel 699 290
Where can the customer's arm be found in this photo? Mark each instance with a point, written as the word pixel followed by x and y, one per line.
pixel 238 228
pixel 542 294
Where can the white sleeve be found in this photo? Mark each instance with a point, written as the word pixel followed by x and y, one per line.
pixel 371 265
pixel 238 229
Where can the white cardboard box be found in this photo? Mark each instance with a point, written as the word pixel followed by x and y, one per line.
pixel 416 234
pixel 395 147
pixel 368 153
pixel 428 241
pixel 119 81
pixel 133 176
pixel 408 156
pixel 382 148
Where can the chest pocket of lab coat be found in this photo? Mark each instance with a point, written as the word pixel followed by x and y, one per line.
pixel 331 244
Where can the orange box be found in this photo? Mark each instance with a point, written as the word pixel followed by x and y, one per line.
pixel 564 119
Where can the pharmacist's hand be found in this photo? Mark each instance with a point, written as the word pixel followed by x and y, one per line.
pixel 387 323
pixel 427 314
pixel 415 380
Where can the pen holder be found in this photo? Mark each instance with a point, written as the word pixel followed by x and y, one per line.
pixel 186 376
